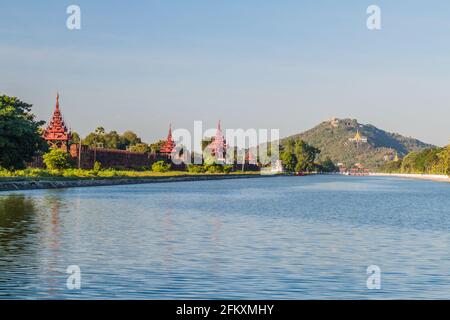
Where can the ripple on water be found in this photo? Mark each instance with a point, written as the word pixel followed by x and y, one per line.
pixel 280 238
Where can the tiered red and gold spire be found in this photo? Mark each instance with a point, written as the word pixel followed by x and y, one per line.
pixel 169 145
pixel 218 145
pixel 56 132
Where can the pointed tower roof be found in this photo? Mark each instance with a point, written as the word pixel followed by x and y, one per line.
pixel 357 135
pixel 169 145
pixel 396 157
pixel 56 129
pixel 218 145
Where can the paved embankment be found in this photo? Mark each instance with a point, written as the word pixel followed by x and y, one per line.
pixel 433 177
pixel 29 184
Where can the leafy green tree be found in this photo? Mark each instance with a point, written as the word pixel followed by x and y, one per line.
pixel 391 167
pixel 328 165
pixel 113 140
pixel 57 159
pixel 140 147
pixel 156 147
pixel 305 155
pixel 129 138
pixel 160 166
pixel 75 138
pixel 289 161
pixel 297 155
pixel 89 140
pixel 409 163
pixel 20 136
pixel 443 164
pixel 96 138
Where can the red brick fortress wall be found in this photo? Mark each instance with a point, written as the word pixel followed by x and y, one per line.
pixel 111 158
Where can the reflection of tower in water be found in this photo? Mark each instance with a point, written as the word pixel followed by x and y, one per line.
pixel 52 262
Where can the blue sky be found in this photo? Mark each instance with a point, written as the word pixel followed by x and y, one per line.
pixel 253 64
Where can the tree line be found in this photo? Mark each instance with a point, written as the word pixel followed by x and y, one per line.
pixel 428 161
pixel 114 140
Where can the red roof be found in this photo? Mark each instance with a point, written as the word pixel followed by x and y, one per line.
pixel 218 145
pixel 169 145
pixel 56 128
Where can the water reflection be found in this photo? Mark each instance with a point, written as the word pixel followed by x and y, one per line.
pixel 308 237
pixel 16 223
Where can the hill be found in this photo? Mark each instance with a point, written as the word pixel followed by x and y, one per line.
pixel 347 141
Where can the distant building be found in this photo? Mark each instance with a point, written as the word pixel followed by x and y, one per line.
pixel 396 158
pixel 358 170
pixel 358 138
pixel 56 134
pixel 218 147
pixel 169 145
pixel 334 122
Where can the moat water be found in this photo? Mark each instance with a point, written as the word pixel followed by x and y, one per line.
pixel 269 238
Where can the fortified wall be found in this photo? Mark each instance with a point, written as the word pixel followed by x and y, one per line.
pixel 112 158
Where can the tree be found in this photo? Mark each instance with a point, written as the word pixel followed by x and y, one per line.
pixel 391 167
pixel 443 164
pixel 129 138
pixel 409 163
pixel 328 165
pixel 305 154
pixel 57 159
pixel 298 156
pixel 20 138
pixel 289 161
pixel 100 131
pixel 75 138
pixel 96 138
pixel 113 140
pixel 156 146
pixel 140 147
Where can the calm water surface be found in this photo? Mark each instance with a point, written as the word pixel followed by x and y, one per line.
pixel 280 238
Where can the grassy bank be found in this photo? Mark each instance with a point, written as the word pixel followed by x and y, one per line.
pixel 80 174
pixel 123 178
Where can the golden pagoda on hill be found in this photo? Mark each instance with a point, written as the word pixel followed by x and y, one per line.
pixel 358 138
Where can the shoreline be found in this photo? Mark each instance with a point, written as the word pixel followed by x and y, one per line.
pixel 43 183
pixel 430 177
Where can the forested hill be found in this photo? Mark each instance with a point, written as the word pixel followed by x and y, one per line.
pixel 332 138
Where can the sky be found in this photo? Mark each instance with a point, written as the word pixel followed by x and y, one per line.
pixel 283 64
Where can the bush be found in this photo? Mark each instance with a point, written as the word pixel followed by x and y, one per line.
pixel 160 166
pixel 227 168
pixel 108 173
pixel 194 168
pixel 35 172
pixel 57 159
pixel 97 166
pixel 213 168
